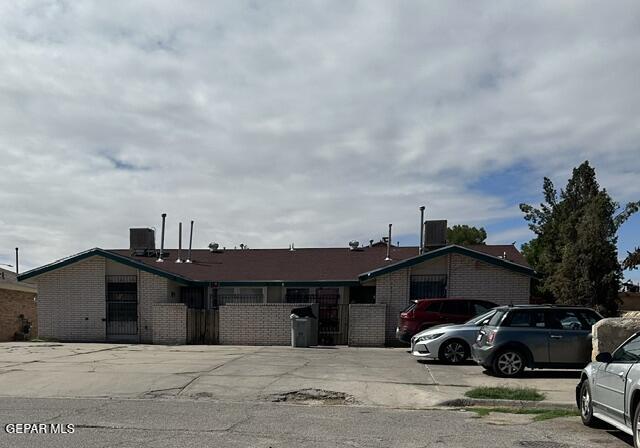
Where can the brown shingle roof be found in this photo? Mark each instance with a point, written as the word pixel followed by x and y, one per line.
pixel 312 264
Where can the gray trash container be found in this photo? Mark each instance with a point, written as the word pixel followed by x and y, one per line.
pixel 300 331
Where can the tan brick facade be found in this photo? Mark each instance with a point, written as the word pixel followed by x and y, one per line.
pixel 14 303
pixel 468 278
pixel 169 323
pixel 71 302
pixel 257 324
pixel 473 279
pixel 367 325
pixel 152 289
pixel 393 290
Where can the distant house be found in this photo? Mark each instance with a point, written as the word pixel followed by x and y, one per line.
pixel 127 294
pixel 17 306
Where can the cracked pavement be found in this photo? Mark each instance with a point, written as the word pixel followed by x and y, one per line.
pixel 186 423
pixel 146 395
pixel 374 376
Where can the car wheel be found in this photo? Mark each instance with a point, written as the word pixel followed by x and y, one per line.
pixel 636 427
pixel 586 405
pixel 509 363
pixel 454 352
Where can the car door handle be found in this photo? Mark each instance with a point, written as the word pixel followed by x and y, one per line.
pixel 556 336
pixel 621 375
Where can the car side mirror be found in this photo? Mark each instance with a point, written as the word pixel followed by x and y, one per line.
pixel 604 357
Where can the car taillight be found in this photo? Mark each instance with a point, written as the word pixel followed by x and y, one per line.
pixel 491 337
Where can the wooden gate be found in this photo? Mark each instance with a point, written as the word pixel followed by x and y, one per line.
pixel 202 326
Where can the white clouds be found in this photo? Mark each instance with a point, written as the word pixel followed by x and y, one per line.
pixel 313 122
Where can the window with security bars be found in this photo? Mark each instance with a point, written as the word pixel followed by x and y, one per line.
pixel 428 286
pixel 122 305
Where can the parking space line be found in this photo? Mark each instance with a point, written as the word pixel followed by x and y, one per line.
pixel 435 383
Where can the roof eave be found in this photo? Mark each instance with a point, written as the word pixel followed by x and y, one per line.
pixel 96 251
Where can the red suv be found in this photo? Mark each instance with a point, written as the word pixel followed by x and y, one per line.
pixel 424 313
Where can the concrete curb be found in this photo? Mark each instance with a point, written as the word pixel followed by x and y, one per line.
pixel 481 402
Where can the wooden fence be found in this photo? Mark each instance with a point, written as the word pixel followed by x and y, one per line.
pixel 202 326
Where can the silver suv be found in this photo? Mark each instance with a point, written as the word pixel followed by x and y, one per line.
pixel 536 336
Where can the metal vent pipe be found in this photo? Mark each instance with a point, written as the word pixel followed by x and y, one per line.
pixel 179 259
pixel 190 242
pixel 421 248
pixel 389 245
pixel 160 260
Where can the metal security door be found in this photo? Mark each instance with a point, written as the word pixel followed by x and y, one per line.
pixel 122 306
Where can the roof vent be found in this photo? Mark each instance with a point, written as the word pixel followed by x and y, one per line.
pixel 213 247
pixel 353 245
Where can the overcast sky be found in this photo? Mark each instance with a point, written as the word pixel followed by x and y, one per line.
pixel 316 123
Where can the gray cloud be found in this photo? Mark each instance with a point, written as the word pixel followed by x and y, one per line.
pixel 313 122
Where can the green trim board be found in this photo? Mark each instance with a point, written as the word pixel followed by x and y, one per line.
pixel 96 251
pixel 452 249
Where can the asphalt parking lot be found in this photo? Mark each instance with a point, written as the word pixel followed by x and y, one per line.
pixel 388 377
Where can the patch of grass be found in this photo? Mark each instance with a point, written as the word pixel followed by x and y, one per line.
pixel 540 414
pixel 506 393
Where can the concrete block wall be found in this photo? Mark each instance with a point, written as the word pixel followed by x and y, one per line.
pixel 152 289
pixel 13 303
pixel 71 302
pixel 473 279
pixel 256 324
pixel 367 325
pixel 393 290
pixel 169 323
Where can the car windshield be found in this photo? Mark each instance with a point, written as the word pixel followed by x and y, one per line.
pixel 410 307
pixel 477 319
pixel 495 320
pixel 629 352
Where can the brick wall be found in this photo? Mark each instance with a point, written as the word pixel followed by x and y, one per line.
pixel 12 304
pixel 474 279
pixel 71 302
pixel 169 323
pixel 257 324
pixel 367 325
pixel 152 289
pixel 393 290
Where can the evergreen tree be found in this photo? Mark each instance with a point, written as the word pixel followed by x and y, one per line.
pixel 465 235
pixel 575 245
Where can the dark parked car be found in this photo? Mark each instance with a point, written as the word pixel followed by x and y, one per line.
pixel 425 313
pixel 540 336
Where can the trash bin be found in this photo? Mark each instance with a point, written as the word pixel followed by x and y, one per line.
pixel 300 331
pixel 302 326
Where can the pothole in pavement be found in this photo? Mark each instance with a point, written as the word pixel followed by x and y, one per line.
pixel 313 397
pixel 542 444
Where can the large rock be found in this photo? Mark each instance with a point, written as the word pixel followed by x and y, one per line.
pixel 608 334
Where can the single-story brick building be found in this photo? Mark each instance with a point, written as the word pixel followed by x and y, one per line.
pixel 358 292
pixel 17 307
